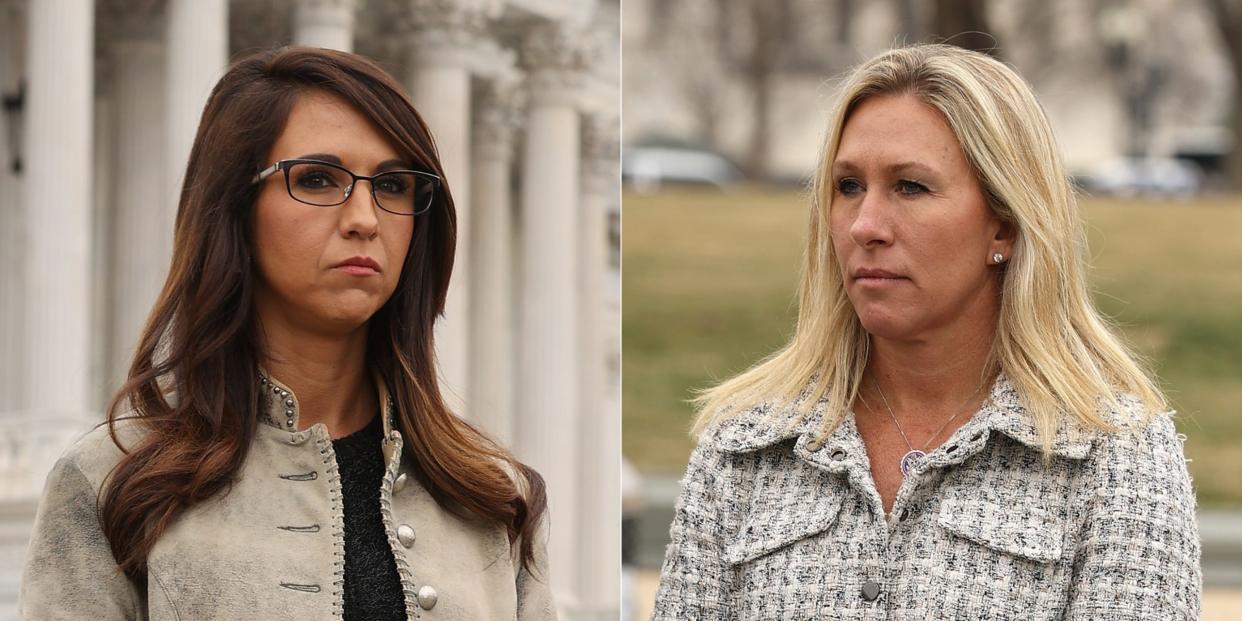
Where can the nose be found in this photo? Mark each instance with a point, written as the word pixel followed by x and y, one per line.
pixel 872 225
pixel 357 217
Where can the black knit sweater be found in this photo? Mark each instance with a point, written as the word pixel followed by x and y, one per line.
pixel 372 588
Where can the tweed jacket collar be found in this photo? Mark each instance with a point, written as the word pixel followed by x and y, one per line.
pixel 766 425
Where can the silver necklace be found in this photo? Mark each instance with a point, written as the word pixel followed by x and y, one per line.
pixel 914 456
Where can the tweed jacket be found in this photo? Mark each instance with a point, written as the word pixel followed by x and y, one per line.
pixel 771 524
pixel 273 547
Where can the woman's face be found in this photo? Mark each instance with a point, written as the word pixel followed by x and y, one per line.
pixel 299 247
pixel 910 225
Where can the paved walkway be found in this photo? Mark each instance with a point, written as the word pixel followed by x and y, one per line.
pixel 1218 604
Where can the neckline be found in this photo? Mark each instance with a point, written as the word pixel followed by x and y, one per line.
pixel 368 431
pixel 281 404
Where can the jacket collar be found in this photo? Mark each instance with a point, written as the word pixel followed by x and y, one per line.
pixel 768 424
pixel 282 411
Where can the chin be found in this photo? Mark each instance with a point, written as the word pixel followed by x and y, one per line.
pixel 346 320
pixel 887 325
pixel 353 306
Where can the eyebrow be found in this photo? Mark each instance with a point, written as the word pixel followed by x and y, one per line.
pixel 841 166
pixel 328 157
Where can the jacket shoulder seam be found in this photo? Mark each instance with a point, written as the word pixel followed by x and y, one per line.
pixel 167 597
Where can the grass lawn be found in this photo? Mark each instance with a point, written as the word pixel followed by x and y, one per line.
pixel 708 283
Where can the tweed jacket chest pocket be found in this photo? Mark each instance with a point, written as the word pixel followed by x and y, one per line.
pixel 1012 552
pixel 777 557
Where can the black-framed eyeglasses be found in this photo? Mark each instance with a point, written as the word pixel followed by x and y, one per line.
pixel 324 184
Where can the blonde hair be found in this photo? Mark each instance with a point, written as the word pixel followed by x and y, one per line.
pixel 1053 345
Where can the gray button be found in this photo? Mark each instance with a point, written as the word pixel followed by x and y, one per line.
pixel 837 455
pixel 405 534
pixel 399 484
pixel 427 597
pixel 814 445
pixel 870 590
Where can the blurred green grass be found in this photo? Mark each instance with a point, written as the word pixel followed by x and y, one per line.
pixel 709 281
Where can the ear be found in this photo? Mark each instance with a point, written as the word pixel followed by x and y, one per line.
pixel 1003 239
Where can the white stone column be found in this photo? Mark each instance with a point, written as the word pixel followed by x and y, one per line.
pixel 548 378
pixel 197 35
pixel 442 41
pixel 104 378
pixel 57 197
pixel 325 23
pixel 492 350
pixel 599 503
pixel 12 212
pixel 142 232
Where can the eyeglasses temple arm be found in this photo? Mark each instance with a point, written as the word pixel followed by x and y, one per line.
pixel 265 173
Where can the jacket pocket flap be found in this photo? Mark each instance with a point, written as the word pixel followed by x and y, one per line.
pixel 781 521
pixel 1022 529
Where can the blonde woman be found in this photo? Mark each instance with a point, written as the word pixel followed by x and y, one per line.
pixel 953 432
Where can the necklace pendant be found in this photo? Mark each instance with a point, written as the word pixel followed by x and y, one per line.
pixel 909 460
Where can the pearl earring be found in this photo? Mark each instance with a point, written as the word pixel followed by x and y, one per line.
pixel 998 258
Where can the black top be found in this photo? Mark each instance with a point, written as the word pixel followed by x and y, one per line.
pixel 372 587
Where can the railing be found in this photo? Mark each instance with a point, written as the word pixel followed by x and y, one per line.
pixel 30 443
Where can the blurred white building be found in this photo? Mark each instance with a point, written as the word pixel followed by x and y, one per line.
pixel 101 104
pixel 1135 76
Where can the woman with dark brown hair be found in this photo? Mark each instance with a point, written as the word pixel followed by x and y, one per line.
pixel 281 448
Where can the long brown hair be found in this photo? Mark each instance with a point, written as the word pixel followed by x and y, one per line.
pixel 201 339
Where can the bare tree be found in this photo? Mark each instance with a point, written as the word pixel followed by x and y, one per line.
pixel 770 20
pixel 964 23
pixel 1228 15
pixel 913 26
pixel 693 31
pixel 727 46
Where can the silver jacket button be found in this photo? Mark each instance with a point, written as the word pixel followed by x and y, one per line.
pixel 870 590
pixel 405 534
pixel 399 484
pixel 427 597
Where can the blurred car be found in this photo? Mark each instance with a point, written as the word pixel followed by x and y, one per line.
pixel 648 167
pixel 1144 176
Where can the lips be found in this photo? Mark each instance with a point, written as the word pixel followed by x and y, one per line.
pixel 875 273
pixel 359 262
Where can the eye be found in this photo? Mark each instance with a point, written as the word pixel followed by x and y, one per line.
pixel 392 184
pixel 315 180
pixel 906 186
pixel 849 186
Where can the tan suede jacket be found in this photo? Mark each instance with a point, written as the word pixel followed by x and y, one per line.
pixel 273 547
